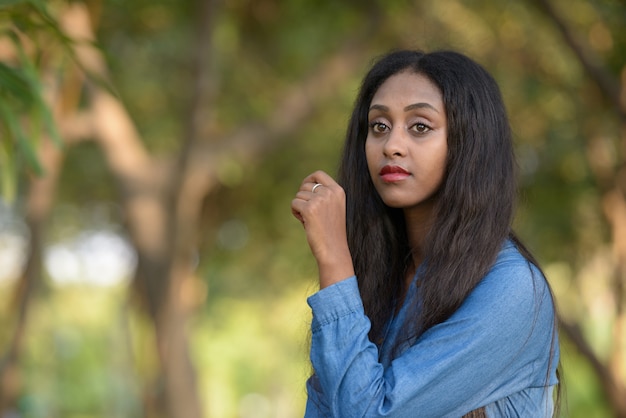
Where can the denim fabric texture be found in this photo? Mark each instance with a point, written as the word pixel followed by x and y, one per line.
pixel 494 351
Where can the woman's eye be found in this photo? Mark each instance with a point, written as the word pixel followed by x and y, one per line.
pixel 421 128
pixel 378 127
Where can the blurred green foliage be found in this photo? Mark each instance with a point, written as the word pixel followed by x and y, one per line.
pixel 24 25
pixel 89 349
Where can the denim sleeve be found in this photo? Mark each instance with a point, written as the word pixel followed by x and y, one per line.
pixel 495 345
pixel 316 406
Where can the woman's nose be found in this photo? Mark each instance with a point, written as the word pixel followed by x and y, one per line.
pixel 395 144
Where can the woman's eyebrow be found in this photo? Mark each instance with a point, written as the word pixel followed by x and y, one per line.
pixel 420 105
pixel 380 107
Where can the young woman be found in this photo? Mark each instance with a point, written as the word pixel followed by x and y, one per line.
pixel 429 306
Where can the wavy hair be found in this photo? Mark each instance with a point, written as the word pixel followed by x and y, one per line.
pixel 475 204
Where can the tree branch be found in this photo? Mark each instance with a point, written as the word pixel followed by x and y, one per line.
pixel 608 84
pixel 612 387
pixel 254 140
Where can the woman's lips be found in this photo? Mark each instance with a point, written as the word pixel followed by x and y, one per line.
pixel 393 173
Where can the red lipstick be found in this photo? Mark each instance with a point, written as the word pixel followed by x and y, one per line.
pixel 393 173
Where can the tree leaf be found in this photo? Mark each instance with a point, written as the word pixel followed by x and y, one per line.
pixel 8 177
pixel 31 76
pixel 14 86
pixel 15 130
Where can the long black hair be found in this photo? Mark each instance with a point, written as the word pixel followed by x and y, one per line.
pixel 474 207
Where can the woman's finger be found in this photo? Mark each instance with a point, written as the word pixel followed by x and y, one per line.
pixel 319 177
pixel 296 208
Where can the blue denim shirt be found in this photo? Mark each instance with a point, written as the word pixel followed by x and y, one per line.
pixel 494 351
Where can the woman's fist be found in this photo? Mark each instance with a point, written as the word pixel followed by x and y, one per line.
pixel 320 205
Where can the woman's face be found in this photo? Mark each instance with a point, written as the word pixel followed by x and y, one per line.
pixel 406 145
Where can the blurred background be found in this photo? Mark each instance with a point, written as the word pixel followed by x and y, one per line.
pixel 149 152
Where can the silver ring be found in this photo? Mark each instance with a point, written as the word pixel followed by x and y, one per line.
pixel 315 187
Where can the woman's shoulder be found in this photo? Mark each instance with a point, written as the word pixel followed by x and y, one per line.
pixel 509 253
pixel 513 304
pixel 513 282
pixel 511 268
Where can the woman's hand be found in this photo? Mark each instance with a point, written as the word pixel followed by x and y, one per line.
pixel 320 205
